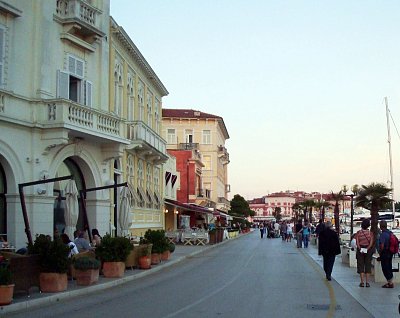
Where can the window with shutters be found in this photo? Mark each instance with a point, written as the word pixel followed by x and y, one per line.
pixel 118 88
pixel 71 83
pixel 207 137
pixel 131 96
pixel 150 110
pixel 157 119
pixel 171 136
pixel 141 100
pixel 2 53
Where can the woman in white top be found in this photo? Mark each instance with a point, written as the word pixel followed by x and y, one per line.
pixel 289 232
pixel 72 246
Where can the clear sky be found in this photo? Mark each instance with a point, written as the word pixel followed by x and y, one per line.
pixel 300 83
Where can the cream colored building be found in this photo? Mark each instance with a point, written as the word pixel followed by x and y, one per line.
pixel 136 94
pixel 57 117
pixel 187 129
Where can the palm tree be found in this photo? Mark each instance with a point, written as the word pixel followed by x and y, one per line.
pixel 336 197
pixel 309 204
pixel 296 209
pixel 321 205
pixel 374 197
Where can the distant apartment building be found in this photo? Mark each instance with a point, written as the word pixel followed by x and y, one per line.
pixel 266 205
pixel 200 138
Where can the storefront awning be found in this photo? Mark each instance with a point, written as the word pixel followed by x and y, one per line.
pixel 187 207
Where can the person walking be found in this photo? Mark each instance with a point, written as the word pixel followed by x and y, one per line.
pixel 306 233
pixel 262 230
pixel 365 243
pixel 328 247
pixel 385 255
pixel 284 230
pixel 289 232
pixel 299 233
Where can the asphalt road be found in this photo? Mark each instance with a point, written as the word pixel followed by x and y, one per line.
pixel 247 277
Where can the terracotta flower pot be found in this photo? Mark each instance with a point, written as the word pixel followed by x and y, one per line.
pixel 155 258
pixel 113 269
pixel 53 282
pixel 165 255
pixel 6 294
pixel 86 277
pixel 144 262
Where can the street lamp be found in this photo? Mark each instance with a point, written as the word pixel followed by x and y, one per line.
pixel 354 191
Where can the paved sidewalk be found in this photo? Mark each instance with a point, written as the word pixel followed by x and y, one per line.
pixel 378 301
pixel 21 301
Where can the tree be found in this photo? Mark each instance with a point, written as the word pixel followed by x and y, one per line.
pixel 240 207
pixel 308 204
pixel 336 197
pixel 374 197
pixel 277 213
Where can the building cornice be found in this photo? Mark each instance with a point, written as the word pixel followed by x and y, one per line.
pixel 126 41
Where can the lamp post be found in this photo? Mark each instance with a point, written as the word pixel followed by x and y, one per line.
pixel 354 191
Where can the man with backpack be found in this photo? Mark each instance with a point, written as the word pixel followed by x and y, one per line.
pixel 386 250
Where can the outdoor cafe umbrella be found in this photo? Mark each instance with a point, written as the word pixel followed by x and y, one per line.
pixel 71 211
pixel 124 219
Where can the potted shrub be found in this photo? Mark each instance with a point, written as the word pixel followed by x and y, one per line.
pixel 160 244
pixel 86 270
pixel 144 258
pixel 54 263
pixel 6 285
pixel 113 252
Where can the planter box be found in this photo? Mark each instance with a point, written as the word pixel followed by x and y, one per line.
pixel 113 269
pixel 86 277
pixel 6 294
pixel 377 270
pixel 53 282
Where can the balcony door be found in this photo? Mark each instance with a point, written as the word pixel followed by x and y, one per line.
pixel 189 136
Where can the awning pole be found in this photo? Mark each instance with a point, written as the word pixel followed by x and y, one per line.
pixel 23 204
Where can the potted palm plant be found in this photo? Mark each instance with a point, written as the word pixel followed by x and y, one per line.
pixel 6 285
pixel 54 263
pixel 113 252
pixel 86 270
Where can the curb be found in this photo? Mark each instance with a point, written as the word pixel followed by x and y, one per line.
pixel 84 290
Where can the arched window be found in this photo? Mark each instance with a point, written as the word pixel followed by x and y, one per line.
pixel 118 88
pixel 141 100
pixel 68 167
pixel 131 96
pixel 150 110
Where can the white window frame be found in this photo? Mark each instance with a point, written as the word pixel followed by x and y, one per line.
pixel 171 138
pixel 76 69
pixel 206 137
pixel 189 136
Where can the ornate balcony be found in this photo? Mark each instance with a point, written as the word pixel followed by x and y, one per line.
pixel 80 19
pixel 188 146
pixel 145 141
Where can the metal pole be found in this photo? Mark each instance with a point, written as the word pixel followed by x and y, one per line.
pixel 351 216
pixel 390 158
pixel 23 204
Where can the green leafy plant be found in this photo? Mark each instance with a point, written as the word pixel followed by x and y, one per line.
pixel 158 239
pixel 171 247
pixel 53 254
pixel 114 249
pixel 6 277
pixel 85 263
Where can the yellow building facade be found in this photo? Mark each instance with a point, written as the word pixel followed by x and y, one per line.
pixel 136 95
pixel 187 129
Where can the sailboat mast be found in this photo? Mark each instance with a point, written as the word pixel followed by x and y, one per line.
pixel 390 157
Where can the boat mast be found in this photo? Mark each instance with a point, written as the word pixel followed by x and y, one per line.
pixel 390 158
